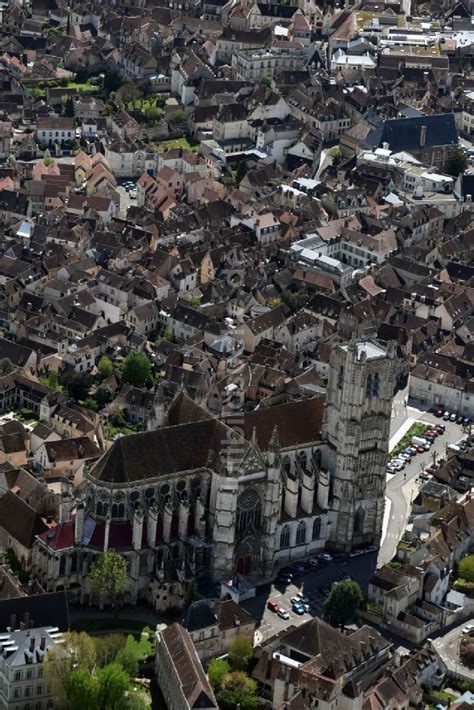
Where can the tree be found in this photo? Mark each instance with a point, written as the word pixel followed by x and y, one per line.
pixel 76 384
pixel 136 369
pixel 342 604
pixel 108 576
pixel 177 117
pixel 82 76
pixel 466 568
pixel 108 647
pixel 152 113
pixel 113 683
pixel 68 107
pixel 457 163
pixel 191 595
pixel 112 81
pixel 104 395
pixel 47 159
pixel 238 689
pixel 128 660
pixel 77 651
pixel 217 670
pixel 82 690
pixel 240 652
pixel 105 366
pixel 266 80
pixel 91 403
pixel 466 651
pixel 336 155
pixel 240 171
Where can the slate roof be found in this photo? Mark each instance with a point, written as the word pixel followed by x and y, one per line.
pixel 20 520
pixel 43 610
pixel 405 133
pixel 158 453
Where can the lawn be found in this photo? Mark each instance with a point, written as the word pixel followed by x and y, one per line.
pixel 176 143
pixel 416 429
pixel 86 86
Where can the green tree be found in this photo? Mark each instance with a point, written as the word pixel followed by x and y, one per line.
pixel 336 154
pixel 128 660
pixel 266 80
pixel 112 81
pixel 82 690
pixel 113 683
pixel 77 651
pixel 178 116
pixel 342 604
pixel 68 107
pixel 217 670
pixel 108 576
pixel 104 395
pixel 457 163
pixel 108 647
pixel 82 76
pixel 466 568
pixel 240 652
pixel 53 379
pixel 136 369
pixel 152 113
pixel 76 384
pixel 191 595
pixel 240 171
pixel 105 366
pixel 47 159
pixel 91 403
pixel 238 689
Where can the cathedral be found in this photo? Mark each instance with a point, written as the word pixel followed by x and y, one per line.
pixel 200 498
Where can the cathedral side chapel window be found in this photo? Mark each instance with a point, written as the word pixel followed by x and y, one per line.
pixel 285 537
pixel 301 533
pixel 316 528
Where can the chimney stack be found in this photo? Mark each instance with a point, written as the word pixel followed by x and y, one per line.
pixel 43 642
pixel 32 644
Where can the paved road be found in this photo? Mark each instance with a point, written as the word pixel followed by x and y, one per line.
pixel 448 648
pixel 360 568
pixel 402 487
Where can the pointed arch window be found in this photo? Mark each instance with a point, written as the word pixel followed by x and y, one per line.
pixel 316 528
pixel 301 533
pixel 285 537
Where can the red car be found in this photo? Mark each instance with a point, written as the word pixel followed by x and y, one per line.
pixel 432 432
pixel 419 449
pixel 439 413
pixel 440 428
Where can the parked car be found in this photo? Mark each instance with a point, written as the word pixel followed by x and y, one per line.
pixel 420 449
pixel 284 578
pixel 439 413
pixel 326 557
pixel 344 577
pixel 324 590
pixel 298 609
pixel 452 417
pixel 466 421
pixel 432 432
pixel 454 447
pixel 355 553
pixel 446 416
pixel 303 598
pixel 273 606
pixel 371 548
pixel 440 428
pixel 468 629
pixel 314 562
pixel 459 419
pixel 296 568
pixel 283 614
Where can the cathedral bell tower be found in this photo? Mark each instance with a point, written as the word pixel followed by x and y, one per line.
pixel 356 428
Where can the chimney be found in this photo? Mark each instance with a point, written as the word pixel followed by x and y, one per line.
pixel 32 644
pixel 43 642
pixel 422 136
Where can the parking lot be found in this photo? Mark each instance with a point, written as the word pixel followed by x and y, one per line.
pixel 453 434
pixel 359 568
